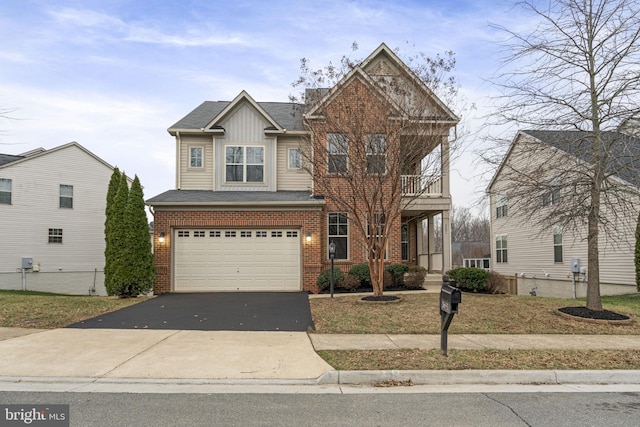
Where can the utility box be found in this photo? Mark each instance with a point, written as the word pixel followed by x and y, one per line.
pixel 27 263
pixel 575 265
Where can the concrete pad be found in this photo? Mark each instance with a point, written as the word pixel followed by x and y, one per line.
pixel 8 333
pixel 74 352
pixel 352 342
pixel 225 354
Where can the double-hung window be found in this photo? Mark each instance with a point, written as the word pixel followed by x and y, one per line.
pixel 376 146
pixel 557 244
pixel 5 191
pixel 196 155
pixel 338 147
pixel 501 205
pixel 66 196
pixel 339 234
pixel 501 248
pixel 244 164
pixel 551 196
pixel 295 159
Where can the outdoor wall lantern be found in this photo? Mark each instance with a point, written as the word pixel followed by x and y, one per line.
pixel 308 237
pixel 332 255
pixel 161 238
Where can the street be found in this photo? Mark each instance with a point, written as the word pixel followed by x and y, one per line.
pixel 397 406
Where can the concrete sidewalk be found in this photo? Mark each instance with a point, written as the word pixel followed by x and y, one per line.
pixel 232 357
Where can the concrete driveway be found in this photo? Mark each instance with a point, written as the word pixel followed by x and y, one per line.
pixel 220 311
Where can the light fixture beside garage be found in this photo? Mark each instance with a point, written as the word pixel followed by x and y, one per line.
pixel 161 238
pixel 308 237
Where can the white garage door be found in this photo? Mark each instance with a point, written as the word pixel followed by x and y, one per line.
pixel 232 260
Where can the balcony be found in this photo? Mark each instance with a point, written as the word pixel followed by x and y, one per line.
pixel 421 185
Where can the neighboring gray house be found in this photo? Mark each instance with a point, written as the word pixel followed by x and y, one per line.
pixel 52 209
pixel 541 257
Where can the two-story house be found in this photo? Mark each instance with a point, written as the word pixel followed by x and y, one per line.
pixel 52 211
pixel 543 257
pixel 247 212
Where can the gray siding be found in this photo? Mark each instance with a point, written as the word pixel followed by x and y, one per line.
pixel 197 178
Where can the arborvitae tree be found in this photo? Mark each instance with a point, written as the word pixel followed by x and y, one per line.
pixel 137 247
pixel 108 225
pixel 118 236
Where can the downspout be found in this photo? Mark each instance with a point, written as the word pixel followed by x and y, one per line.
pixel 178 150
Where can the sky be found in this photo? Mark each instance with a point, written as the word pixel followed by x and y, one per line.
pixel 114 75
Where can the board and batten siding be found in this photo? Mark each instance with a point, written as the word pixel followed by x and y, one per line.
pixel 25 224
pixel 290 179
pixel 196 178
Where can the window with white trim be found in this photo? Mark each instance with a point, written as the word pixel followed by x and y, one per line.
pixel 196 157
pixel 376 148
pixel 5 191
pixel 551 196
pixel 55 235
pixel 501 205
pixel 338 148
pixel 557 244
pixel 66 196
pixel 295 158
pixel 501 248
pixel 338 233
pixel 404 241
pixel 244 164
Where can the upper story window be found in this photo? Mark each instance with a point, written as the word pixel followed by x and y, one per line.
pixel 66 196
pixel 196 157
pixel 557 244
pixel 501 205
pixel 552 195
pixel 5 191
pixel 338 147
pixel 376 146
pixel 55 235
pixel 295 159
pixel 244 164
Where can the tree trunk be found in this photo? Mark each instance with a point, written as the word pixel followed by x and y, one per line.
pixel 593 280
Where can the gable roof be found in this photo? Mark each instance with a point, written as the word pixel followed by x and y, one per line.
pixel 624 156
pixel 8 158
pixel 42 152
pixel 282 115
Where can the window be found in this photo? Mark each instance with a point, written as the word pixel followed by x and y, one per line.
pixel 501 248
pixel 557 245
pixel 66 196
pixel 245 234
pixel 195 157
pixel 405 241
pixel 229 234
pixel 55 235
pixel 214 234
pixel 501 205
pixel 552 194
pixel 376 146
pixel 244 164
pixel 198 234
pixel 295 160
pixel 183 234
pixel 292 234
pixel 339 234
pixel 338 146
pixel 276 234
pixel 5 191
pixel 261 234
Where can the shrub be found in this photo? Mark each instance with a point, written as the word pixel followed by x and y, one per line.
pixel 496 283
pixel 397 273
pixel 361 271
pixel 471 279
pixel 324 278
pixel 414 278
pixel 350 282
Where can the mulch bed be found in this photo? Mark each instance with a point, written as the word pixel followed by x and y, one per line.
pixel 381 298
pixel 594 316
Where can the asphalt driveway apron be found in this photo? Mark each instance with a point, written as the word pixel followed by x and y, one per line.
pixel 223 311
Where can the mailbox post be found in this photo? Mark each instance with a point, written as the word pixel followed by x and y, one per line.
pixel 450 297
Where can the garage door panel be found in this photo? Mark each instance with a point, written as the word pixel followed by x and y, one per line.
pixel 208 260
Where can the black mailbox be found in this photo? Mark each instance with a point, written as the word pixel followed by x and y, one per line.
pixel 450 297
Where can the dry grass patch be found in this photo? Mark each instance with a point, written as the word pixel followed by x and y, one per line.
pixel 481 359
pixel 40 310
pixel 479 314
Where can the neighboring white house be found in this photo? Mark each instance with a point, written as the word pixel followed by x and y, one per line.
pixel 52 210
pixel 542 257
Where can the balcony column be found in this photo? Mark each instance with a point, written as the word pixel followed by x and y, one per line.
pixel 446 241
pixel 431 241
pixel 444 159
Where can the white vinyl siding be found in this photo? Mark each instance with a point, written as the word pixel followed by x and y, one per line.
pixel 66 196
pixel 5 191
pixel 290 179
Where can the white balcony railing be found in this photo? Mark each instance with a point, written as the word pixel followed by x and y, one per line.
pixel 415 185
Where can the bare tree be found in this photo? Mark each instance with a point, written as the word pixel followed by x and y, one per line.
pixel 380 122
pixel 576 72
pixel 467 227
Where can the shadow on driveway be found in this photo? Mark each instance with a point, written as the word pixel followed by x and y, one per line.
pixel 225 311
